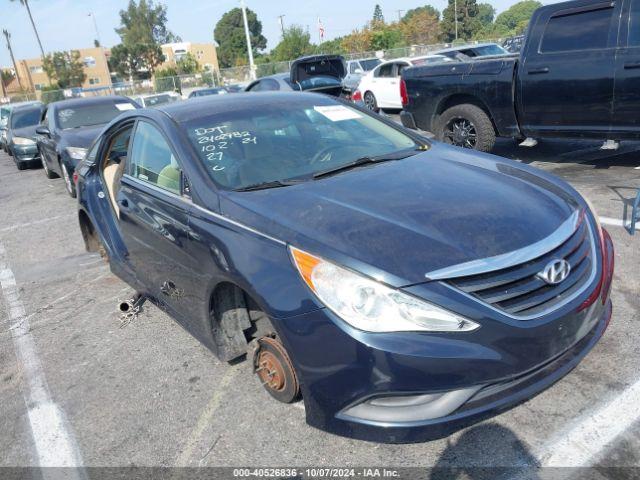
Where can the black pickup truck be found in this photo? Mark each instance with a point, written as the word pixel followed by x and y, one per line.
pixel 578 75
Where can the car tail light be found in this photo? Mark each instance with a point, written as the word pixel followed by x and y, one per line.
pixel 403 93
pixel 357 96
pixel 602 289
pixel 75 177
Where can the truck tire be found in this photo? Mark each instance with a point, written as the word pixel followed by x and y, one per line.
pixel 466 126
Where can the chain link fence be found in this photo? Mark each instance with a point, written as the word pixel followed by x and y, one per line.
pixel 185 84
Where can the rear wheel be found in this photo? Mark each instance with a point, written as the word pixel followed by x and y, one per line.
pixel 370 101
pixel 467 126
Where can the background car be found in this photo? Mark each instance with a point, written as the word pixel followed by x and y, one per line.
pixel 5 110
pixel 380 88
pixel 157 99
pixel 513 44
pixel 21 134
pixel 317 73
pixel 466 52
pixel 356 69
pixel 203 92
pixel 67 129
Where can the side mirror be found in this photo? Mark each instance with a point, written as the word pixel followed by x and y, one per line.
pixel 43 131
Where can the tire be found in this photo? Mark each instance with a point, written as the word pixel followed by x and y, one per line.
pixel 50 175
pixel 68 181
pixel 370 101
pixel 466 126
pixel 21 165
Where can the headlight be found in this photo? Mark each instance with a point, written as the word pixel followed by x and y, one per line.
pixel 23 141
pixel 371 306
pixel 76 153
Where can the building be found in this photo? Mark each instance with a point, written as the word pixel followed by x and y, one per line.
pixel 204 53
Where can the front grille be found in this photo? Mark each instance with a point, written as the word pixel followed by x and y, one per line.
pixel 520 292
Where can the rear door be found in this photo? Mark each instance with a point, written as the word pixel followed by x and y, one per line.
pixel 388 85
pixel 566 77
pixel 626 114
pixel 154 218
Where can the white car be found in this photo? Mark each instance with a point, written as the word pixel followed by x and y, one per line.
pixel 156 99
pixel 380 88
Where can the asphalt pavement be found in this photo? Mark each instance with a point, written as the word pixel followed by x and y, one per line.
pixel 148 394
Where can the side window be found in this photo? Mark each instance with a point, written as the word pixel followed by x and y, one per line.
pixel 152 160
pixel 45 118
pixel 385 71
pixel 634 24
pixel 577 31
pixel 353 66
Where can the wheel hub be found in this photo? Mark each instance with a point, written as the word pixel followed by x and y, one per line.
pixel 270 368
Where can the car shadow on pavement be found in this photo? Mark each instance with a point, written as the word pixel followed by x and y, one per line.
pixel 483 452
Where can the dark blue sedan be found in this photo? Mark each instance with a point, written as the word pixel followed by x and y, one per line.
pixel 404 289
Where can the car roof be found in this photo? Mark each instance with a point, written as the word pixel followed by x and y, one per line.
pixel 203 106
pixel 465 47
pixel 29 106
pixel 11 106
pixel 412 59
pixel 74 102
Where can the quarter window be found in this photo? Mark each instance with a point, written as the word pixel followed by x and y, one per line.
pixel 152 160
pixel 578 31
pixel 386 71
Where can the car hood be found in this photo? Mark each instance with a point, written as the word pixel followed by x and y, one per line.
pixel 81 137
pixel 400 220
pixel 25 132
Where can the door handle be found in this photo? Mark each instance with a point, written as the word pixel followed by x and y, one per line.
pixel 538 71
pixel 631 66
pixel 124 203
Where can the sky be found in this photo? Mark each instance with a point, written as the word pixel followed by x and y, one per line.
pixel 66 24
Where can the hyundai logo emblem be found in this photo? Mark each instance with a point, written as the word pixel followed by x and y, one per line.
pixel 555 272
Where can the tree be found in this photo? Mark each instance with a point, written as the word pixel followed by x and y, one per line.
pixel 66 68
pixel 425 9
pixel 187 64
pixel 143 28
pixel 133 62
pixel 486 14
pixel 295 43
pixel 378 17
pixel 25 3
pixel 386 37
pixel 518 14
pixel 230 36
pixel 421 28
pixel 332 46
pixel 492 31
pixel 357 41
pixel 468 22
pixel 6 77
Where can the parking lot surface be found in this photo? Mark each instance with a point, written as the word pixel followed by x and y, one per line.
pixel 148 394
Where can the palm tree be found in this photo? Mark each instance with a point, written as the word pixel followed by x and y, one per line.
pixel 26 4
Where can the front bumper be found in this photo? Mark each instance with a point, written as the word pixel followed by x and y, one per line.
pixel 28 153
pixel 450 380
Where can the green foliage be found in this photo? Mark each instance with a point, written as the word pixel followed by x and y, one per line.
pixel 143 28
pixel 230 36
pixel 131 61
pixel 387 37
pixel 434 12
pixel 6 76
pixel 515 17
pixel 468 21
pixel 492 31
pixel 65 68
pixel 188 64
pixel 51 93
pixel 166 72
pixel 332 46
pixel 295 43
pixel 486 14
pixel 421 28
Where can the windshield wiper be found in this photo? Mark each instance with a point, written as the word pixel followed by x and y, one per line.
pixel 365 161
pixel 265 185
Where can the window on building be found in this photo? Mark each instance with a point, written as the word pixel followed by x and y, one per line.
pixel 89 62
pixel 36 69
pixel 38 86
pixel 578 31
pixel 94 81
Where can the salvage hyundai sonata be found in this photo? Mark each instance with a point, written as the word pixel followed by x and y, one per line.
pixel 404 289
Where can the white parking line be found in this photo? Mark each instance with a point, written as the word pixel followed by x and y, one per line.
pixel 586 441
pixel 35 222
pixel 612 222
pixel 53 441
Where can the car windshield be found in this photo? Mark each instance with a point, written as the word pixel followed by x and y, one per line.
pixel 210 91
pixel 158 100
pixel 25 118
pixel 90 114
pixel 368 65
pixel 289 140
pixel 490 50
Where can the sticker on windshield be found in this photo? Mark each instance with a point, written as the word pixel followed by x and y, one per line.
pixel 65 115
pixel 337 113
pixel 124 106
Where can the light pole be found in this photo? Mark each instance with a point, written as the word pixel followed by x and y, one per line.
pixel 281 20
pixel 455 15
pixel 7 35
pixel 95 25
pixel 252 68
